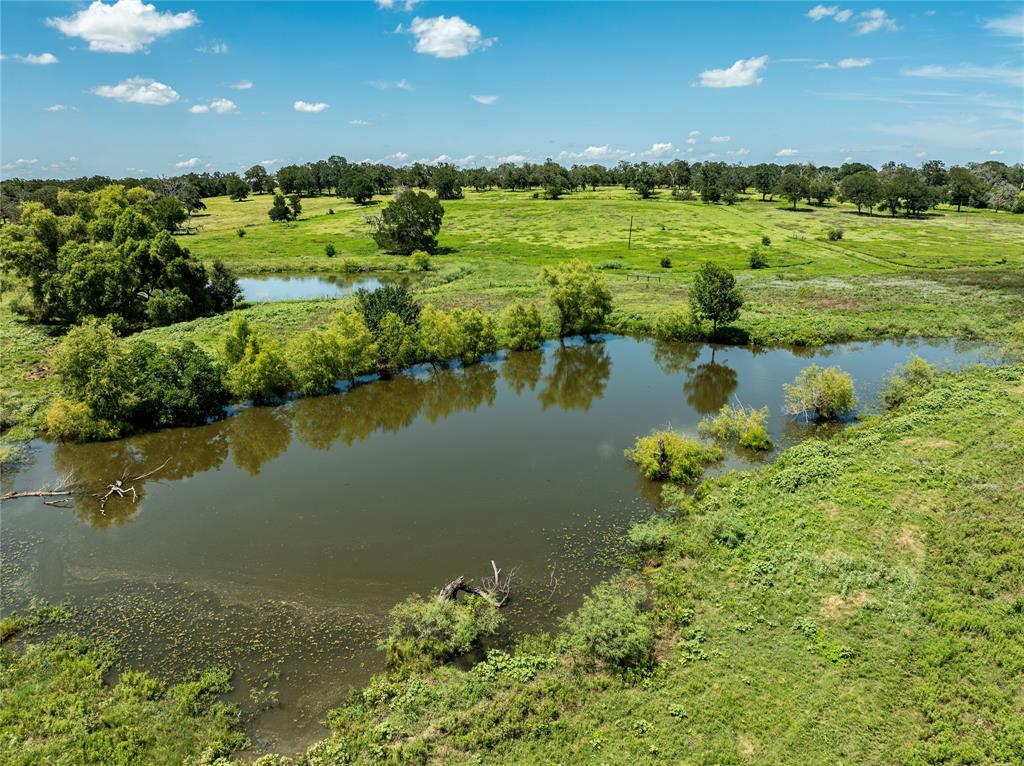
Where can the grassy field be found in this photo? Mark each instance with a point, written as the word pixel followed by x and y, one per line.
pixel 945 275
pixel 857 602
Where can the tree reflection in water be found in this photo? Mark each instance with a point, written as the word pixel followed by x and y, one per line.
pixel 578 376
pixel 522 371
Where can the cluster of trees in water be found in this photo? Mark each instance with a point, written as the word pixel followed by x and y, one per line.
pixel 110 253
pixel 893 187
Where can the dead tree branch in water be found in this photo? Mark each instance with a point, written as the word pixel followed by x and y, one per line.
pixel 63 488
pixel 118 487
pixel 496 588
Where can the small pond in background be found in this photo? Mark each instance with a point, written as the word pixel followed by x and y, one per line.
pixel 294 287
pixel 276 540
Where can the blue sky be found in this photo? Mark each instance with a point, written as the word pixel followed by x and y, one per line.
pixel 155 89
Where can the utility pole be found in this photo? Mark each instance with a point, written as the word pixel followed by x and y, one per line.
pixel 629 244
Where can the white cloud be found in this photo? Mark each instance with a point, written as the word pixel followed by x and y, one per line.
pixel 217 106
pixel 19 164
pixel 388 5
pixel 694 133
pixel 403 85
pixel 358 122
pixel 56 108
pixel 843 16
pixel 593 152
pixel 398 157
pixel 741 74
pixel 139 90
pixel 787 153
pixel 386 84
pixel 721 139
pixel 126 26
pixel 488 100
pixel 853 63
pixel 658 150
pixel 218 49
pixel 241 85
pixel 310 108
pixel 1010 75
pixel 739 152
pixel 1010 26
pixel 996 153
pixel 874 20
pixel 512 158
pixel 691 141
pixel 921 154
pixel 268 163
pixel 819 12
pixel 447 38
pixel 192 162
pixel 32 58
pixel 823 65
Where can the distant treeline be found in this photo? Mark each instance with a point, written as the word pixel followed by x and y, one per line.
pixel 988 184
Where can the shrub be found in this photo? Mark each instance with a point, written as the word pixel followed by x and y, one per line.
pixel 94 371
pixel 73 421
pixel 826 393
pixel 233 341
pixel 374 305
pixel 766 240
pixel 440 339
pixel 834 233
pixel 522 326
pixel 397 344
pixel 411 222
pixel 329 250
pixel 330 211
pixel 650 536
pixel 758 260
pixel 580 295
pixel 478 335
pixel 665 455
pixel 425 631
pixel 262 374
pixel 349 266
pixel 666 262
pixel 241 232
pixel 420 261
pixel 610 629
pixel 357 351
pixel 747 426
pixel 315 358
pixel 677 325
pixel 913 377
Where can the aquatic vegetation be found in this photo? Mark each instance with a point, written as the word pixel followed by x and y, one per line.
pixel 825 393
pixel 430 630
pixel 522 326
pixel 668 456
pixel 745 425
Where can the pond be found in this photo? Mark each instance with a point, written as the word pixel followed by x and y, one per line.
pixel 276 540
pixel 294 287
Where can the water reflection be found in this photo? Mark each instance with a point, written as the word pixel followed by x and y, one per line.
pixel 578 377
pixel 709 386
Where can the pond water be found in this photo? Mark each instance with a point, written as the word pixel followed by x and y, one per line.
pixel 293 287
pixel 276 540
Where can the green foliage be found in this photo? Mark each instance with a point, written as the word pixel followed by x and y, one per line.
pixel 758 260
pixel 522 326
pixel 242 232
pixel 357 351
pixel 667 456
pixel 825 393
pixel 411 222
pixel 766 241
pixel 73 421
pixel 315 359
pixel 279 210
pixel 911 379
pixel 651 536
pixel 666 262
pixel 262 373
pixel 94 371
pixel 387 299
pixel 747 426
pixel 433 630
pixel 420 260
pixel 834 233
pixel 397 343
pixel 478 335
pixel 677 324
pixel 792 187
pixel 174 385
pixel 580 295
pixel 610 629
pixel 58 709
pixel 224 289
pixel 329 250
pixel 714 295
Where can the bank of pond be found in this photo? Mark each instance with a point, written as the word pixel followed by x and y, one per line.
pixel 275 541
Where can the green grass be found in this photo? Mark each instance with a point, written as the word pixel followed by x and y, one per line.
pixel 859 601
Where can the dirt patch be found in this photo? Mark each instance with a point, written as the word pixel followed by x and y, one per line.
pixel 38 372
pixel 909 538
pixel 913 441
pixel 834 607
pixel 745 747
pixel 1019 390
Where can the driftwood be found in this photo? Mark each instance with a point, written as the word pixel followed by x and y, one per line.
pixel 37 493
pixel 121 488
pixel 496 588
pixel 118 487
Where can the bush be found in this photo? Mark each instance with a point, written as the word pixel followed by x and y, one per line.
pixel 610 629
pixel 522 327
pixel 411 222
pixel 665 455
pixel 73 421
pixel 175 385
pixel 666 262
pixel 834 233
pixel 262 374
pixel 826 393
pixel 677 325
pixel 315 358
pixel 349 266
pixel 357 351
pixel 329 250
pixel 94 371
pixel 241 232
pixel 913 377
pixel 440 339
pixel 650 536
pixel 374 305
pixel 397 344
pixel 330 211
pixel 580 295
pixel 425 631
pixel 478 335
pixel 766 240
pixel 420 261
pixel 758 260
pixel 747 426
